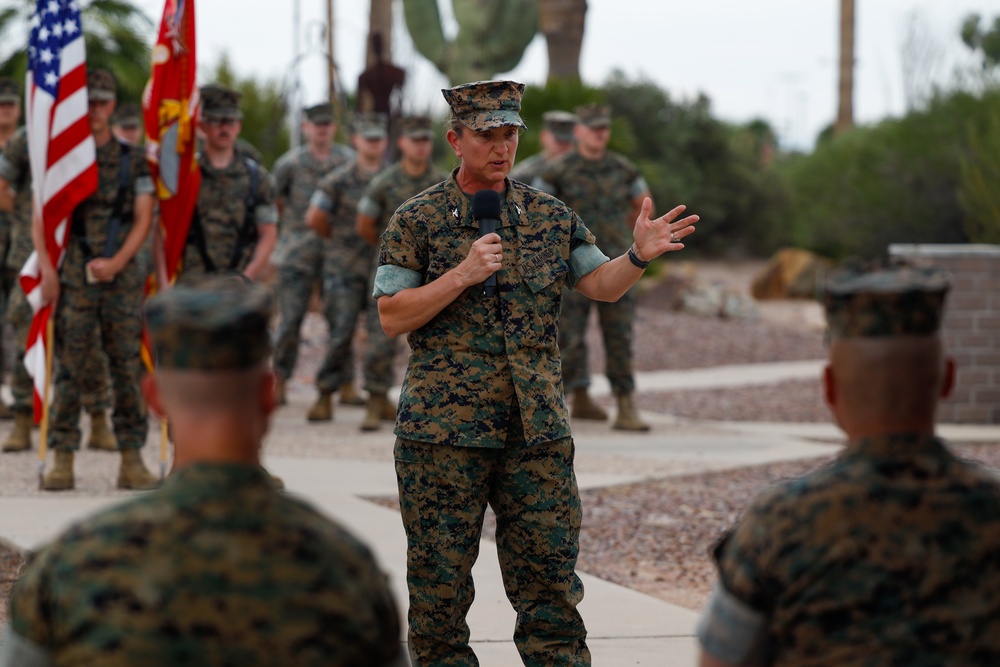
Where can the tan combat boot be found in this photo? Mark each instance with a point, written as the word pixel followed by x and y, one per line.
pixel 627 418
pixel 322 409
pixel 585 408
pixel 5 412
pixel 101 435
pixel 388 410
pixel 350 396
pixel 60 478
pixel 19 439
pixel 279 392
pixel 374 413
pixel 133 473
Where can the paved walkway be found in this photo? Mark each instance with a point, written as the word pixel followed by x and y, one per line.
pixel 626 627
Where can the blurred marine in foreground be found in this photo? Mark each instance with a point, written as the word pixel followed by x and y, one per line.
pixel 217 567
pixel 888 556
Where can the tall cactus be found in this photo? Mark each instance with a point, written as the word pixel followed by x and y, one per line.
pixel 492 35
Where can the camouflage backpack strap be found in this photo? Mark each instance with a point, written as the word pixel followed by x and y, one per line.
pixel 124 171
pixel 196 237
pixel 78 227
pixel 248 232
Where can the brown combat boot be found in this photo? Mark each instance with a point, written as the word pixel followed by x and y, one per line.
pixel 133 473
pixel 6 413
pixel 19 439
pixel 350 396
pixel 60 478
pixel 101 435
pixel 627 418
pixel 279 392
pixel 322 409
pixel 585 408
pixel 374 413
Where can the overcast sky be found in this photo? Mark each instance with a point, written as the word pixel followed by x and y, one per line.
pixel 771 59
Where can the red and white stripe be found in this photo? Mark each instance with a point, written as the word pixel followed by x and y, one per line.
pixel 64 172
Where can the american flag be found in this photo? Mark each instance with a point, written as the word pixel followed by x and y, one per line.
pixel 61 148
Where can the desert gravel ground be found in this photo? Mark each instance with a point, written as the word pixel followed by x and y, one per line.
pixel 654 536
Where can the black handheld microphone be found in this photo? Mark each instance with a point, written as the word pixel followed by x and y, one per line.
pixel 486 209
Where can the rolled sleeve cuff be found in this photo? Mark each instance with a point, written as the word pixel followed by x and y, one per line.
pixel 8 171
pixel 144 185
pixel 321 201
pixel 16 651
pixel 585 259
pixel 368 207
pixel 639 187
pixel 391 279
pixel 731 631
pixel 266 214
pixel 541 184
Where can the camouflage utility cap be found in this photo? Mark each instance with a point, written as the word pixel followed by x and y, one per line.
pixel 217 101
pixel 886 301
pixel 128 115
pixel 560 124
pixel 101 85
pixel 319 113
pixel 418 127
pixel 371 125
pixel 594 115
pixel 485 105
pixel 9 90
pixel 219 325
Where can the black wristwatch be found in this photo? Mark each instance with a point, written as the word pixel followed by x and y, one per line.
pixel 634 258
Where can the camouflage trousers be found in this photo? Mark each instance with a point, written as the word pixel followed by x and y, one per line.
pixel 380 351
pixel 616 329
pixel 443 493
pixel 104 320
pixel 345 297
pixel 293 290
pixel 95 394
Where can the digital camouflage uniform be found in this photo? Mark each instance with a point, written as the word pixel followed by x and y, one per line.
pixel 101 316
pixel 222 207
pixel 384 195
pixel 299 252
pixel 94 391
pixel 215 568
pixel 482 418
pixel 347 268
pixel 222 199
pixel 887 556
pixel 601 192
pixel 560 124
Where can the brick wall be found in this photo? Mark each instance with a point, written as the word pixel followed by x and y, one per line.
pixel 971 328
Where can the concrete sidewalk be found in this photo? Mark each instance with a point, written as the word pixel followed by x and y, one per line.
pixel 626 627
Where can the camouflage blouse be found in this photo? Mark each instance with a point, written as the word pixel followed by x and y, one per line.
pixel 214 568
pixel 479 355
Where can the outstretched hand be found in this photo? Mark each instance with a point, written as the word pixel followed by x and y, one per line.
pixel 663 234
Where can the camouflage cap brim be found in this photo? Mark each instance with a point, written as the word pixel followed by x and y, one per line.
pixel 222 113
pixel 10 98
pixel 489 120
pixel 100 95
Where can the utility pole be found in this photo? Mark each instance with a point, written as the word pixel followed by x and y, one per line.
pixel 331 72
pixel 293 103
pixel 845 89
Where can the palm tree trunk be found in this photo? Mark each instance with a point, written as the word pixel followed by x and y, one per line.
pixel 562 23
pixel 845 105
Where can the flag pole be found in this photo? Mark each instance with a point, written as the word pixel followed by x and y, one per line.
pixel 164 443
pixel 43 430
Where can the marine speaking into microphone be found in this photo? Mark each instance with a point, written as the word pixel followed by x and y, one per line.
pixel 486 210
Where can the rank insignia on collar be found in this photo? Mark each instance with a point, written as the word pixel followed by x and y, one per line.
pixel 517 208
pixel 454 212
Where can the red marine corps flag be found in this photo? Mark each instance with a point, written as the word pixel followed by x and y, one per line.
pixel 61 150
pixel 170 105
